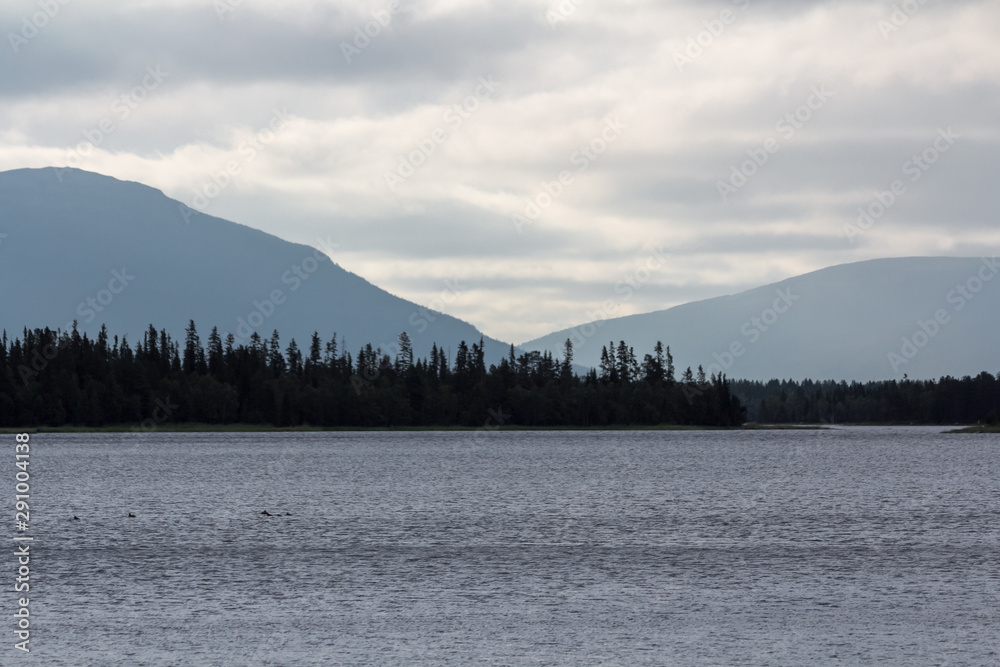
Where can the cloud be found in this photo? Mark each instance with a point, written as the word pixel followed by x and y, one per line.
pixel 698 89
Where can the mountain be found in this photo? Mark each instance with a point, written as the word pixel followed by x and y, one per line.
pixel 75 245
pixel 922 316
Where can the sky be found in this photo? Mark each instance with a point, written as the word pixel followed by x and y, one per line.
pixel 518 164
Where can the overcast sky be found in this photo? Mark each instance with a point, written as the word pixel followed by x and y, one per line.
pixel 702 147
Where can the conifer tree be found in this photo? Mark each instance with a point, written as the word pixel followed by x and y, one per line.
pixel 404 357
pixel 194 354
pixel 315 351
pixel 294 356
pixel 215 353
pixel 566 369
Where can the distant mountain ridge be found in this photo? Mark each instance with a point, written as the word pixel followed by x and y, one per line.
pixel 91 248
pixel 925 317
pixel 75 245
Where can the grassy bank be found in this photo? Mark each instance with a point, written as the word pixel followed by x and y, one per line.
pixel 784 427
pixel 260 428
pixel 977 429
pixel 264 428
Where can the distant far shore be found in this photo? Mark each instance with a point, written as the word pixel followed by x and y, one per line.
pixel 264 428
pixel 977 429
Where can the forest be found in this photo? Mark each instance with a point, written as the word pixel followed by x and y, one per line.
pixel 969 400
pixel 58 378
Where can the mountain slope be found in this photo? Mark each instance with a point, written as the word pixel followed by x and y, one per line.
pixel 854 321
pixel 81 246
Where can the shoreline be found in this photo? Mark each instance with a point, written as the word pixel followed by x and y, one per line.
pixel 976 429
pixel 260 428
pixel 263 428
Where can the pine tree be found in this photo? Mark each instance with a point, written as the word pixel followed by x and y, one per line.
pixel 624 365
pixel 275 359
pixel 404 357
pixel 479 359
pixel 462 359
pixel 215 353
pixel 566 369
pixel 658 364
pixel 433 365
pixel 330 353
pixel 607 364
pixel 102 345
pixel 152 351
pixel 194 354
pixel 315 351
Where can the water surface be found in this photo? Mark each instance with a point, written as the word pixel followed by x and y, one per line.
pixel 850 546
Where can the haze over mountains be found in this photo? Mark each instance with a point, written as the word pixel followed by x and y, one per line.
pixel 86 247
pixel 80 246
pixel 880 319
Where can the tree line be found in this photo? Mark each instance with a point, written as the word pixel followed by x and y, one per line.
pixel 967 400
pixel 58 378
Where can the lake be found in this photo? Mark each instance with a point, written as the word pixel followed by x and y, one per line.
pixel 841 547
